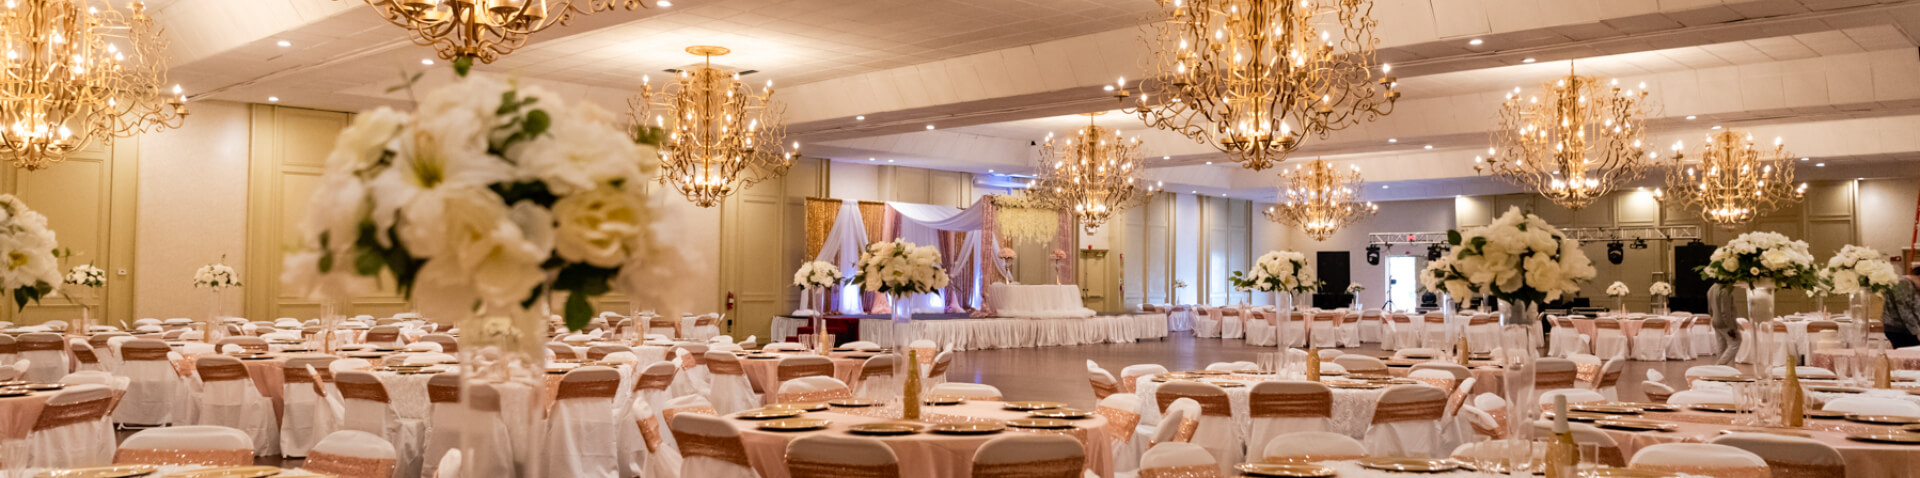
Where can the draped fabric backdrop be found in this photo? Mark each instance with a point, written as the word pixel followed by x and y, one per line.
pixel 968 239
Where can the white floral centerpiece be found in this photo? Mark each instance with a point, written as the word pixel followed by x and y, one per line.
pixel 1660 289
pixel 1277 271
pixel 86 275
pixel 1862 269
pixel 217 275
pixel 1761 257
pixel 815 278
pixel 1618 289
pixel 1355 288
pixel 900 269
pixel 31 270
pixel 490 197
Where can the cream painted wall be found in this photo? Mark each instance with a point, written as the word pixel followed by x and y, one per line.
pixel 192 193
pixel 1186 247
pixel 1886 207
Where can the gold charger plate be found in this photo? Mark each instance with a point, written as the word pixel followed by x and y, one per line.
pixel 1584 416
pixel 1894 437
pixel 1882 419
pixel 1291 470
pixel 1356 386
pixel 1774 431
pixel 1421 465
pixel 14 392
pixel 1028 406
pixel 1716 407
pixel 1650 406
pixel 793 424
pixel 1223 383
pixel 115 471
pixel 802 406
pixel 1826 414
pixel 1061 413
pixel 1040 423
pixel 1611 472
pixel 769 413
pixel 852 402
pixel 1835 389
pixel 231 472
pixel 967 428
pixel 1606 409
pixel 884 429
pixel 1734 379
pixel 1205 373
pixel 943 400
pixel 1636 425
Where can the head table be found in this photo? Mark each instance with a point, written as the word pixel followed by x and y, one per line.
pixel 922 454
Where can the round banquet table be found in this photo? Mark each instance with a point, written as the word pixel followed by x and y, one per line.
pixel 1486 378
pixel 1057 301
pixel 1863 459
pixel 764 374
pixel 1902 359
pixel 17 414
pixel 1352 408
pixel 922 454
pixel 1901 391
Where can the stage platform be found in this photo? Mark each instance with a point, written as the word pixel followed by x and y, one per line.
pixel 977 333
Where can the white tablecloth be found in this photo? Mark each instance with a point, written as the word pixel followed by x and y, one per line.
pixel 1352 408
pixel 1002 333
pixel 1038 301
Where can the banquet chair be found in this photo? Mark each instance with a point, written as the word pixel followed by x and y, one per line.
pixel 1293 330
pixel 1324 330
pixel 579 424
pixel 96 377
pixel 1565 339
pixel 1459 373
pixel 1805 372
pixel 1103 383
pixel 1260 327
pixel 1361 364
pixel 796 366
pixel 814 388
pixel 1401 331
pixel 1122 411
pixel 447 467
pixel 1551 373
pixel 784 347
pixel 1232 322
pixel 830 456
pixel 247 343
pixel 598 352
pixel 15 371
pixel 1178 422
pixel 690 377
pixel 1205 324
pixel 1483 333
pixel 1433 332
pixel 1454 427
pixel 448 344
pixel 1656 390
pixel 1030 456
pixel 1703 371
pixel 1180 460
pixel 649 452
pixel 710 447
pixel 1312 446
pixel 1697 397
pixel 653 384
pixel 1790 456
pixel 155 388
pixel 1130 375
pixel 1608 341
pixel 1874 406
pixel 72 429
pixel 729 389
pixel 1700 459
pixel 1440 379
pixel 1372 327
pixel 1607 450
pixel 875 380
pixel 1216 429
pixel 1650 343
pixel 1484 426
pixel 369 408
pixel 1350 329
pixel 1282 407
pixel 307 414
pixel 937 374
pixel 228 398
pixel 1604 379
pixel 445 416
pixel 83 357
pixel 704 327
pixel 1406 422
pixel 562 351
pixel 667 326
pixel 429 358
pixel 1700 332
pixel 1679 338
pixel 970 391
pixel 352 454
pixel 186 445
pixel 383 336
pixel 49 355
pixel 1416 353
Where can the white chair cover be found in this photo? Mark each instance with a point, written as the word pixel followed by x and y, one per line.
pixel 650 454
pixel 1020 456
pixel 1790 456
pixel 1123 421
pixel 1702 371
pixel 1650 344
pixel 445 418
pixel 48 353
pixel 1179 460
pixel 710 447
pixel 876 379
pixel 72 430
pixel 1407 422
pixel 1131 374
pixel 973 391
pixel 1205 324
pixel 352 454
pixel 187 444
pixel 579 425
pixel 448 466
pixel 1874 406
pixel 1259 328
pixel 369 409
pixel 228 398
pixel 690 379
pixel 1313 446
pixel 832 456
pixel 1608 341
pixel 155 389
pixel 1279 408
pixel 729 390
pixel 1216 430
pixel 307 413
pixel 1699 459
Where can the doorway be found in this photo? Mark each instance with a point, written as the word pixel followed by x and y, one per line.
pixel 1402 284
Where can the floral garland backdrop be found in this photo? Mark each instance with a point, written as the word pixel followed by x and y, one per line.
pixel 1020 220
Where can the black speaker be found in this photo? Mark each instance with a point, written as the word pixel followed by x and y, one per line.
pixel 1373 254
pixel 1336 270
pixel 1616 252
pixel 1689 290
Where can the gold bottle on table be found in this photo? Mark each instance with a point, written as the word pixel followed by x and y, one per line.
pixel 1882 371
pixel 1563 456
pixel 1462 353
pixel 1793 405
pixel 910 404
pixel 1313 364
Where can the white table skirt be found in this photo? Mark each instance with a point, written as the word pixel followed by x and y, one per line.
pixel 1058 301
pixel 1352 408
pixel 1000 333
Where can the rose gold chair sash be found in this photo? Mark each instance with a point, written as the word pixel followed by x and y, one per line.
pixel 1056 468
pixel 727 449
pixel 1655 396
pixel 1549 380
pixel 790 372
pixel 363 391
pixel 939 368
pixel 1606 324
pixel 872 369
pixel 1188 426
pixel 299 375
pixel 437 393
pixel 28 346
pixel 159 456
pixel 1210 405
pixel 382 337
pixel 1127 383
pixel 10 347
pixel 673 324
pixel 1188 471
pixel 55 416
pixel 1586 373
pixel 1409 411
pixel 1120 422
pixel 1103 389
pixel 348 466
pixel 1713 471
pixel 690 361
pixel 668 414
pixel 85 355
pixel 1442 383
pixel 1609 379
pixel 1781 469
pixel 588 389
pixel 1499 422
pixel 798 467
pixel 217 372
pixel 725 367
pixel 653 382
pixel 703 322
pixel 814 396
pixel 1275 405
pixel 649 432
pixel 152 354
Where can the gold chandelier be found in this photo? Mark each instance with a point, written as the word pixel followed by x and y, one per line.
pixel 76 72
pixel 1733 182
pixel 1575 144
pixel 485 29
pixel 1094 173
pixel 1254 78
pixel 1319 199
pixel 721 138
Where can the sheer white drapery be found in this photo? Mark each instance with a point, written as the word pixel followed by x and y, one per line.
pixel 842 249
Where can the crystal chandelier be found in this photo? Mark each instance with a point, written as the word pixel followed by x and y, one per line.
pixel 1319 199
pixel 485 29
pixel 1254 78
pixel 1575 144
pixel 76 72
pixel 1732 182
pixel 721 137
pixel 1094 173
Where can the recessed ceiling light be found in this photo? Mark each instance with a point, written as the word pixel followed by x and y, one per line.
pixel 871 159
pixel 1805 159
pixel 275 99
pixel 1527 60
pixel 1429 146
pixel 1209 163
pixel 860 118
pixel 1690 117
pixel 1166 157
pixel 1716 126
pixel 663 3
pixel 1819 165
pixel 1383 186
pixel 889 160
pixel 1475 42
pixel 426 61
pixel 1193 192
pixel 989 170
pixel 284 43
pixel 929 126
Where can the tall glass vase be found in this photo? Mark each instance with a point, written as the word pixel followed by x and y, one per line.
pixel 216 305
pixel 1620 305
pixel 1518 358
pixel 1283 334
pixel 1452 317
pixel 1854 338
pixel 1767 344
pixel 1658 304
pixel 503 375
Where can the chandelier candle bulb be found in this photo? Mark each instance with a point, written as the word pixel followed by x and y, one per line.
pixel 709 151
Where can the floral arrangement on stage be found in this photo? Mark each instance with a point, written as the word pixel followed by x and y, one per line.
pixel 31 269
pixel 900 268
pixel 1660 289
pixel 1277 271
pixel 490 196
pixel 1857 269
pixel 1355 288
pixel 816 275
pixel 1762 256
pixel 217 275
pixel 1618 289
pixel 1518 258
pixel 1008 253
pixel 1179 284
pixel 1020 220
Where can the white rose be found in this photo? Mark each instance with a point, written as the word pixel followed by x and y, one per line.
pixel 598 226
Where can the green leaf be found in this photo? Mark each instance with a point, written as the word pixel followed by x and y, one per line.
pixel 368 262
pixel 507 103
pixel 326 261
pixel 537 123
pixel 462 64
pixel 649 135
pixel 21 296
pixel 1453 237
pixel 578 312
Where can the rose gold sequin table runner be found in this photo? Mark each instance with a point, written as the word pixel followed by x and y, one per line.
pixel 1902 359
pixel 923 454
pixel 1863 459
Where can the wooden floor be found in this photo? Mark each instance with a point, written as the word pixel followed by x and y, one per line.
pixel 1059 373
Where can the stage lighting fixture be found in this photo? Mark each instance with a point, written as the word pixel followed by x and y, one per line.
pixel 1373 254
pixel 1639 244
pixel 1434 252
pixel 1616 252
